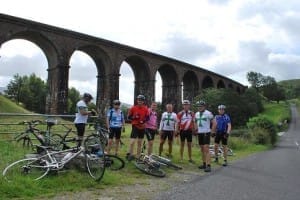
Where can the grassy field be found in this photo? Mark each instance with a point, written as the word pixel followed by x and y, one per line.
pixel 75 180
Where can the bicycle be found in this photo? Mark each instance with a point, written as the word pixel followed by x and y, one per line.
pixel 64 139
pixel 220 151
pixel 38 167
pixel 41 136
pixel 100 136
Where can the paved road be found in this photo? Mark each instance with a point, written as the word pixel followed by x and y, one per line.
pixel 271 175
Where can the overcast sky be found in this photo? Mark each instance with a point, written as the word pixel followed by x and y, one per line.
pixel 229 37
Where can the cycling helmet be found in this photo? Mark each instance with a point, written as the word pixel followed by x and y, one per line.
pixel 186 102
pixel 141 97
pixel 200 103
pixel 116 102
pixel 88 96
pixel 221 107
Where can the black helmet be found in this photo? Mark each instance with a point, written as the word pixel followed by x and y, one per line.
pixel 200 103
pixel 88 96
pixel 141 97
pixel 116 102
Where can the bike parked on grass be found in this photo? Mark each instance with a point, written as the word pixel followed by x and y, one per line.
pixel 38 167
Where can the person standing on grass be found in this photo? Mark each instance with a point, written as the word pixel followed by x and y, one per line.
pixel 82 115
pixel 138 114
pixel 204 119
pixel 223 130
pixel 167 128
pixel 186 128
pixel 151 127
pixel 115 122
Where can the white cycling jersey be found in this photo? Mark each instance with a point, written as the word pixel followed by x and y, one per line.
pixel 203 120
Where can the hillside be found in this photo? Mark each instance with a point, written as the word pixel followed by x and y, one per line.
pixel 7 106
pixel 292 88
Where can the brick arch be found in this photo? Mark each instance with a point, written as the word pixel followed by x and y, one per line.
pixel 221 84
pixel 41 41
pixel 207 82
pixel 190 85
pixel 170 85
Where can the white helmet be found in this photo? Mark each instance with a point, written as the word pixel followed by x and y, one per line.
pixel 221 107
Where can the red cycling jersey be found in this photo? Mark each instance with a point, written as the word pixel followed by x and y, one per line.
pixel 139 115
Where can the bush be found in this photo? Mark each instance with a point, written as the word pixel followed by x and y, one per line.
pixel 260 136
pixel 263 123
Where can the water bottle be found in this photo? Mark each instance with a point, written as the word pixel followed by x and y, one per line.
pixel 66 157
pixel 99 153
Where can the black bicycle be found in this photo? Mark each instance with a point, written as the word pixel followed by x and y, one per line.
pixel 112 162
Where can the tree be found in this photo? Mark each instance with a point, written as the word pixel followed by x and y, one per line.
pixel 255 79
pixel 73 98
pixel 13 90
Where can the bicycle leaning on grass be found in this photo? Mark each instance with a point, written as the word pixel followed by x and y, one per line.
pixel 38 167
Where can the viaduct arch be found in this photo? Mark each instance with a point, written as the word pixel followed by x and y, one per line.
pixel 59 44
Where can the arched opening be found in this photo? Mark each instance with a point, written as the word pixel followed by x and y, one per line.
pixel 220 84
pixel 207 82
pixel 142 83
pixel 158 88
pixel 26 59
pixel 230 86
pixel 126 87
pixel 83 74
pixel 170 85
pixel 238 90
pixel 190 86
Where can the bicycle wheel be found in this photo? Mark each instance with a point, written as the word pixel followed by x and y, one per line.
pixel 31 168
pixel 114 162
pixel 95 159
pixel 145 168
pixel 165 161
pixel 56 142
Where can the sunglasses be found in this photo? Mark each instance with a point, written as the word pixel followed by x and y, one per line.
pixel 117 104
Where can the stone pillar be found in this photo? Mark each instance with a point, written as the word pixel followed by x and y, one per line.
pixel 57 98
pixel 172 94
pixel 146 88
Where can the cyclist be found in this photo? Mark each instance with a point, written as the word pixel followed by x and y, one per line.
pixel 115 122
pixel 138 114
pixel 186 126
pixel 151 126
pixel 223 130
pixel 82 115
pixel 167 128
pixel 203 121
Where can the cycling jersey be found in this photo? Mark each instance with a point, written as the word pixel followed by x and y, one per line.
pixel 186 120
pixel 203 120
pixel 115 118
pixel 139 115
pixel 168 121
pixel 152 122
pixel 222 123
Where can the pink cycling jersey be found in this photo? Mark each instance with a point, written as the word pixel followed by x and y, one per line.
pixel 152 122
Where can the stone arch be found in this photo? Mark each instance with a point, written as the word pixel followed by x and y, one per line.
pixel 190 85
pixel 238 89
pixel 143 84
pixel 171 87
pixel 103 63
pixel 207 82
pixel 230 86
pixel 42 42
pixel 220 84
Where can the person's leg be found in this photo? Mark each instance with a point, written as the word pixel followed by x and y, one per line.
pixel 80 133
pixel 207 154
pixel 139 147
pixel 162 141
pixel 225 150
pixel 117 140
pixel 182 141
pixel 200 141
pixel 189 145
pixel 150 147
pixel 133 137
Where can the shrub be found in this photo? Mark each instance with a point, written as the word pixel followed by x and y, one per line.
pixel 263 123
pixel 260 136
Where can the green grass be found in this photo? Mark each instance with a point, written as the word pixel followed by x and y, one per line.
pixel 276 112
pixel 7 106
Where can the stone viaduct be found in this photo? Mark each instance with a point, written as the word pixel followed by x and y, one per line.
pixel 178 78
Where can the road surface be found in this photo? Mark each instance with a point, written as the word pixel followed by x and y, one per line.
pixel 271 175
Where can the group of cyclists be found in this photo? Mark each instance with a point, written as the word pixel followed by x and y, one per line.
pixel 144 120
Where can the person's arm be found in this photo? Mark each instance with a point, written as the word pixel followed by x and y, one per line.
pixel 229 128
pixel 84 111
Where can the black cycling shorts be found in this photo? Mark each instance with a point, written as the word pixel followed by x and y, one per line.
pixel 80 129
pixel 167 134
pixel 204 138
pixel 187 134
pixel 150 134
pixel 115 132
pixel 137 133
pixel 221 137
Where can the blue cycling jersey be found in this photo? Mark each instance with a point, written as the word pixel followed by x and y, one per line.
pixel 222 123
pixel 115 118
